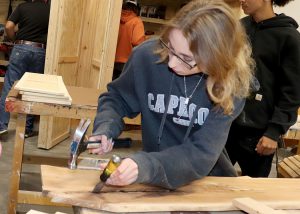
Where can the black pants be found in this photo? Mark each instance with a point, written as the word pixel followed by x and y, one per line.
pixel 241 146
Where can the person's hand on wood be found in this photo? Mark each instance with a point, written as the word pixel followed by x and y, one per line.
pixel 125 174
pixel 105 146
pixel 266 146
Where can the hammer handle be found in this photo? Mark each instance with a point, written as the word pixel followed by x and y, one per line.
pixel 118 143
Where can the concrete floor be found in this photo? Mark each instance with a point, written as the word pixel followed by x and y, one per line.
pixel 31 173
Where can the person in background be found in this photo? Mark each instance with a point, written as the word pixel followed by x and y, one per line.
pixel 189 86
pixel 272 109
pixel 131 34
pixel 28 53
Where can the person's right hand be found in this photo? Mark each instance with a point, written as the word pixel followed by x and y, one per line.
pixel 105 146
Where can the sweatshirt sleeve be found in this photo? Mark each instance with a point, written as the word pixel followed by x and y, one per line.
pixel 288 102
pixel 119 101
pixel 202 154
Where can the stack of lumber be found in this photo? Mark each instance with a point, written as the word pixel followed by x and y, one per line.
pixel 290 167
pixel 43 88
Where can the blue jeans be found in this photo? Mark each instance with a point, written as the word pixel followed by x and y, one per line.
pixel 23 58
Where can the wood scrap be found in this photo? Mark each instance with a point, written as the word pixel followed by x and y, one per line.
pixel 252 206
pixel 43 88
pixel 289 167
pixel 35 212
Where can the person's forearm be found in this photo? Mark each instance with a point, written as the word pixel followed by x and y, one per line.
pixel 10 30
pixel 10 34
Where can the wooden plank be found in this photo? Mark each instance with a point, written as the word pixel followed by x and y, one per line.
pixel 288 170
pixel 41 99
pixel 68 59
pixel 109 42
pixel 79 210
pixel 82 106
pixel 292 166
pixel 295 161
pixel 297 157
pixel 32 197
pixel 282 172
pixel 35 212
pixel 17 163
pixel 38 159
pixel 251 206
pixel 207 194
pixel 42 83
pixel 38 212
pixel 52 136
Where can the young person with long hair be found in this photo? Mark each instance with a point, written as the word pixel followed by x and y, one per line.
pixel 188 85
pixel 272 109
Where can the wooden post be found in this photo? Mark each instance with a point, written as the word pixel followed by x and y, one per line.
pixel 17 164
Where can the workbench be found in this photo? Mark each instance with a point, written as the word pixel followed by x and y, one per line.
pixel 82 107
pixel 205 195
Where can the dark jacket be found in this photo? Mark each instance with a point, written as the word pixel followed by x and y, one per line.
pixel 276 50
pixel 147 87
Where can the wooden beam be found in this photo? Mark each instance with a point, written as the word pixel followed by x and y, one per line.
pixel 252 206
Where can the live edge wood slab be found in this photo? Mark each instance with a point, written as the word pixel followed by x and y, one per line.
pixel 208 194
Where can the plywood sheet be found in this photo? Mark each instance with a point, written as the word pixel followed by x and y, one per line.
pixel 208 194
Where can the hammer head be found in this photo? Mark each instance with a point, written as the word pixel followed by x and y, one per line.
pixel 77 145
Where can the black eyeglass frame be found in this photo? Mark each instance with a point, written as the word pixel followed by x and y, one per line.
pixel 176 55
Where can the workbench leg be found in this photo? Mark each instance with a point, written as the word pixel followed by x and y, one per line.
pixel 16 164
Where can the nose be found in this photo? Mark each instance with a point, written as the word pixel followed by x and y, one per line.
pixel 172 61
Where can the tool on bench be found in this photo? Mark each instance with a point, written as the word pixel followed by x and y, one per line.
pixel 78 145
pixel 112 165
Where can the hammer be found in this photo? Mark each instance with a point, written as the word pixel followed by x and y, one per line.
pixel 78 145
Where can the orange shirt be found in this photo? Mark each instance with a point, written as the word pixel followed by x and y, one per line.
pixel 131 33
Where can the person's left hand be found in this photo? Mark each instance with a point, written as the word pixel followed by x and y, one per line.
pixel 266 146
pixel 125 174
pixel 105 146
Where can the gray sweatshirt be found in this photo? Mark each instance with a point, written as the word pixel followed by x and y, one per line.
pixel 175 151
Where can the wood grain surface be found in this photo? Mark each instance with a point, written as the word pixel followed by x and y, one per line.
pixel 208 194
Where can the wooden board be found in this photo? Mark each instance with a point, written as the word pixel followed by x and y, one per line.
pixel 42 83
pixel 208 194
pixel 251 206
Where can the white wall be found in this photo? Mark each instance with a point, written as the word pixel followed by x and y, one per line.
pixel 292 9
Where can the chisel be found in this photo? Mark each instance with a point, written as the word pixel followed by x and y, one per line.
pixel 112 165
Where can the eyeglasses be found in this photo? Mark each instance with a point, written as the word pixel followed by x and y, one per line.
pixel 180 60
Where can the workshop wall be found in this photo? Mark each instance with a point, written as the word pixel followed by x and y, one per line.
pixel 292 9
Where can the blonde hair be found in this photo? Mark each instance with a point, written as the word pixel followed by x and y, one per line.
pixel 219 43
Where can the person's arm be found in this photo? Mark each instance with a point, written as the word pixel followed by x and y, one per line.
pixel 202 155
pixel 138 34
pixel 118 102
pixel 10 30
pixel 288 95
